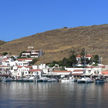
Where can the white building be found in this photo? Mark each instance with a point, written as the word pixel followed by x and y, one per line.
pixel 90 70
pixel 36 72
pixel 23 62
pixel 60 73
pixel 32 53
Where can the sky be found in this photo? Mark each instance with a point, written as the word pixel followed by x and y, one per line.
pixel 20 18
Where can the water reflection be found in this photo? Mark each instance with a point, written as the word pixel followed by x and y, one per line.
pixel 53 95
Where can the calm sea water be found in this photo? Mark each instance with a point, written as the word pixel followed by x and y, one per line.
pixel 53 95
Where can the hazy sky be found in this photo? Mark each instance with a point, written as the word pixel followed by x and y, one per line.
pixel 19 18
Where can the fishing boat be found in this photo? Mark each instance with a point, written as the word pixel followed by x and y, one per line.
pixel 99 81
pixel 4 79
pixel 65 80
pixel 85 80
pixel 43 79
pixel 32 79
pixel 52 80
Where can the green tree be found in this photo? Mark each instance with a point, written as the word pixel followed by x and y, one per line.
pixel 64 62
pixel 33 61
pixel 96 59
pixel 21 54
pixel 13 58
pixel 83 52
pixel 72 60
pixel 4 53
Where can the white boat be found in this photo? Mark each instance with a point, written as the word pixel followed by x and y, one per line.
pixel 4 79
pixel 43 79
pixel 32 78
pixel 85 80
pixel 70 79
pixel 64 80
pixel 52 80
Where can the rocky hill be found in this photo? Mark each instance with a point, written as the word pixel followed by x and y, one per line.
pixel 58 43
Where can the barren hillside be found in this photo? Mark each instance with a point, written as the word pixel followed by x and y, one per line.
pixel 58 43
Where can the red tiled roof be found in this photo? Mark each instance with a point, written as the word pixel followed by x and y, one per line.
pixel 90 66
pixel 23 59
pixel 61 71
pixel 3 66
pixel 24 66
pixel 78 56
pixel 88 55
pixel 34 70
pixel 5 59
pixel 105 72
pixel 78 70
pixel 102 66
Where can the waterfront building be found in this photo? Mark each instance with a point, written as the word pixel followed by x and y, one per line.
pixel 60 73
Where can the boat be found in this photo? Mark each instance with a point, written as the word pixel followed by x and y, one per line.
pixel 26 79
pixel 70 79
pixel 52 80
pixel 99 81
pixel 85 80
pixel 4 79
pixel 43 79
pixel 32 79
pixel 64 80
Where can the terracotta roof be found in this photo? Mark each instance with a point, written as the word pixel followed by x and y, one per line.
pixel 78 56
pixel 24 66
pixel 78 70
pixel 23 59
pixel 102 66
pixel 34 70
pixel 5 59
pixel 90 66
pixel 3 66
pixel 61 71
pixel 88 55
pixel 105 72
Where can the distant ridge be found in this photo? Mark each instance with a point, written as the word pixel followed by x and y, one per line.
pixel 58 43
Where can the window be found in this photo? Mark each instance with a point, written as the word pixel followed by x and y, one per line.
pixel 89 71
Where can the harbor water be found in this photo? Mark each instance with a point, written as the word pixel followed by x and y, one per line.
pixel 53 95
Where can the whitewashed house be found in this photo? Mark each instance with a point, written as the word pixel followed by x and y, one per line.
pixel 32 53
pixel 23 62
pixel 8 62
pixel 35 72
pixel 42 67
pixel 89 70
pixel 20 71
pixel 60 73
pixel 23 71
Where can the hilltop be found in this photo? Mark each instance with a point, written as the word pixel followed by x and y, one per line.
pixel 58 43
